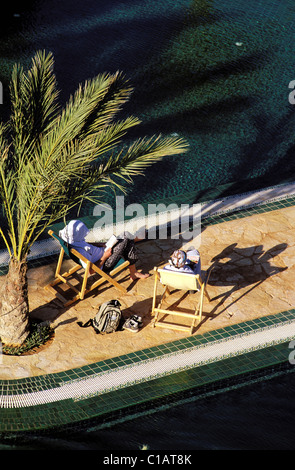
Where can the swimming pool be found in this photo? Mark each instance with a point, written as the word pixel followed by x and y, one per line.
pixel 257 416
pixel 216 73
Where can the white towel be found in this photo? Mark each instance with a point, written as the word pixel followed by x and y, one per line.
pixel 74 233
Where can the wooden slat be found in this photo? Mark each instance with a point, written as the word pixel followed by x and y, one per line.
pixel 172 326
pixel 172 312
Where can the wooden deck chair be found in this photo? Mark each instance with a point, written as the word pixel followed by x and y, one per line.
pixel 81 289
pixel 184 282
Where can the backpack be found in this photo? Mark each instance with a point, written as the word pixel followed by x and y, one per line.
pixel 107 318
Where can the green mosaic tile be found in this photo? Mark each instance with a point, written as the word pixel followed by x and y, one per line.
pixel 68 410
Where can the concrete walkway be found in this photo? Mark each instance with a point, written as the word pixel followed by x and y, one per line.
pixel 253 276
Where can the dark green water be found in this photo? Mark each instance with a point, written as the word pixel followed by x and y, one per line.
pixel 216 73
pixel 259 416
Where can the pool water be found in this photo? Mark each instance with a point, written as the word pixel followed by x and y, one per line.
pixel 216 72
pixel 258 416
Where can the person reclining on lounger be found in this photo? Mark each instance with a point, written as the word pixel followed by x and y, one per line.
pixel 185 262
pixel 75 232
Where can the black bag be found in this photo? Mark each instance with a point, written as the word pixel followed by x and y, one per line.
pixel 107 318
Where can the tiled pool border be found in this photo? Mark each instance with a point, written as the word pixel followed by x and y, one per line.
pixel 66 412
pixel 206 376
pixel 213 212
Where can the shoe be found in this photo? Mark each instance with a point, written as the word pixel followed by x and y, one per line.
pixel 137 319
pixel 131 325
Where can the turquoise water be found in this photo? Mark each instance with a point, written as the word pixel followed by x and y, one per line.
pixel 216 73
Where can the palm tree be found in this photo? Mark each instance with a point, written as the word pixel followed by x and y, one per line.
pixel 52 159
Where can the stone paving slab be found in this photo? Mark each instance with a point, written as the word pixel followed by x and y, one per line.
pixel 252 276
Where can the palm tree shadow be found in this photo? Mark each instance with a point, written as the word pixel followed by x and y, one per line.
pixel 51 311
pixel 240 268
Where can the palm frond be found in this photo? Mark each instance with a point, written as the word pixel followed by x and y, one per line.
pixel 33 101
pixel 56 161
pixel 117 93
pixel 143 153
pixel 17 117
pixel 87 112
pixel 8 197
pixel 40 93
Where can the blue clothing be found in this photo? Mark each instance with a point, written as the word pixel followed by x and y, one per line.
pixel 75 232
pixel 90 252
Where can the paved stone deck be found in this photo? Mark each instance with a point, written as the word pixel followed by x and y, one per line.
pixel 253 276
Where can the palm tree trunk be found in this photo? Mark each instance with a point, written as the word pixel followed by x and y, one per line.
pixel 14 304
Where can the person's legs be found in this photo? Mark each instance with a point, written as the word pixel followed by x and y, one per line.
pixel 122 249
pixel 125 249
pixel 134 274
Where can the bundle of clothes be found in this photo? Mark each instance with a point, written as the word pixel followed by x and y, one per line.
pixel 186 262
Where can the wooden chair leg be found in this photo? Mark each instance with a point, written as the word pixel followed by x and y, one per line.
pixel 59 262
pixel 79 261
pixel 85 279
pixel 155 292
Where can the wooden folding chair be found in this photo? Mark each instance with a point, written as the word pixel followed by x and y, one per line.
pixel 183 282
pixel 81 289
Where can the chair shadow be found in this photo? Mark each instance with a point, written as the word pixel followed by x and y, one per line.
pixel 241 268
pixel 234 267
pixel 54 308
